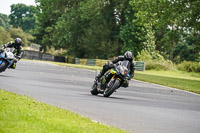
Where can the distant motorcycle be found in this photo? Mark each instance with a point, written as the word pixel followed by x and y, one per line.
pixel 7 59
pixel 112 80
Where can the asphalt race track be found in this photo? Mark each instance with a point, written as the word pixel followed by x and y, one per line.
pixel 140 108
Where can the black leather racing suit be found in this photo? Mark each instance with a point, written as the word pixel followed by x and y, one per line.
pixel 106 67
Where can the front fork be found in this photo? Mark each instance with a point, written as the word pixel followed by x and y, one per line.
pixel 111 82
pixel 1 61
pixel 102 85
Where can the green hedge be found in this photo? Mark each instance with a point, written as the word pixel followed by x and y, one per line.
pixel 159 65
pixel 189 66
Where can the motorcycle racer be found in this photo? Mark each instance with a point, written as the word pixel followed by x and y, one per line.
pixel 127 56
pixel 17 44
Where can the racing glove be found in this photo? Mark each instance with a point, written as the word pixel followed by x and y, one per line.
pixel 2 50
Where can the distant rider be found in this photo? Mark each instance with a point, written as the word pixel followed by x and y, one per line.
pixel 17 44
pixel 127 56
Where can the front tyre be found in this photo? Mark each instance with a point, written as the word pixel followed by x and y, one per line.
pixel 108 92
pixel 3 65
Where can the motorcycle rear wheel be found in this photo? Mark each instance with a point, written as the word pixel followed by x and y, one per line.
pixel 94 90
pixel 108 92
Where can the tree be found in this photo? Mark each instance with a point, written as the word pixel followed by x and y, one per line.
pixel 23 16
pixel 82 32
pixel 169 20
pixel 4 36
pixel 49 13
pixel 188 49
pixel 4 21
pixel 106 28
pixel 18 32
pixel 131 31
pixel 81 29
pixel 12 33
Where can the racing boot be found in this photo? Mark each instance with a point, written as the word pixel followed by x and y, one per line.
pixel 13 66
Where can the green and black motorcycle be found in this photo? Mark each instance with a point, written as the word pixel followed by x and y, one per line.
pixel 112 80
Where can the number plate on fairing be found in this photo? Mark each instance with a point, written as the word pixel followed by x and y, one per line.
pixel 10 55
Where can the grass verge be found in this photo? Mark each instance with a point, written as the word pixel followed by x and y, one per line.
pixel 177 79
pixel 20 114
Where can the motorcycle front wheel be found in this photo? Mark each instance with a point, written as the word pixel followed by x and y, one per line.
pixel 108 91
pixel 3 65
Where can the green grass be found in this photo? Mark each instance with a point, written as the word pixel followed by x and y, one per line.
pixel 172 74
pixel 177 79
pixel 20 114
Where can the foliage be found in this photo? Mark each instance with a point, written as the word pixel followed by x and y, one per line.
pixel 189 49
pixel 23 16
pixel 18 32
pixel 48 13
pixel 189 66
pixel 144 56
pixel 169 21
pixel 87 28
pixel 159 65
pixel 154 61
pixel 4 21
pixel 107 28
pixel 57 52
pixel 22 20
pixel 12 33
pixel 131 31
pixel 4 36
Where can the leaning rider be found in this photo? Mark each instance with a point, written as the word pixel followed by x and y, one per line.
pixel 17 44
pixel 127 56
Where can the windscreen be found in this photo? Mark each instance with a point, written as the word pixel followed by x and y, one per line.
pixel 126 64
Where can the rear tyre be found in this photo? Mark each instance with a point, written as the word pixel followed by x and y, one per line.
pixel 94 90
pixel 108 92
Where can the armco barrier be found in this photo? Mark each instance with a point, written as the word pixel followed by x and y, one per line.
pixel 47 57
pixel 139 65
pixel 91 62
pixel 77 61
pixel 35 55
pixel 59 59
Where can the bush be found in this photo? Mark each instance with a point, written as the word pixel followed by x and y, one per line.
pixel 159 65
pixel 144 56
pixel 70 59
pixel 154 61
pixel 189 66
pixel 4 36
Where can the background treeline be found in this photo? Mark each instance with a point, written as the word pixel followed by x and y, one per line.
pixel 106 28
pixel 158 30
pixel 20 23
